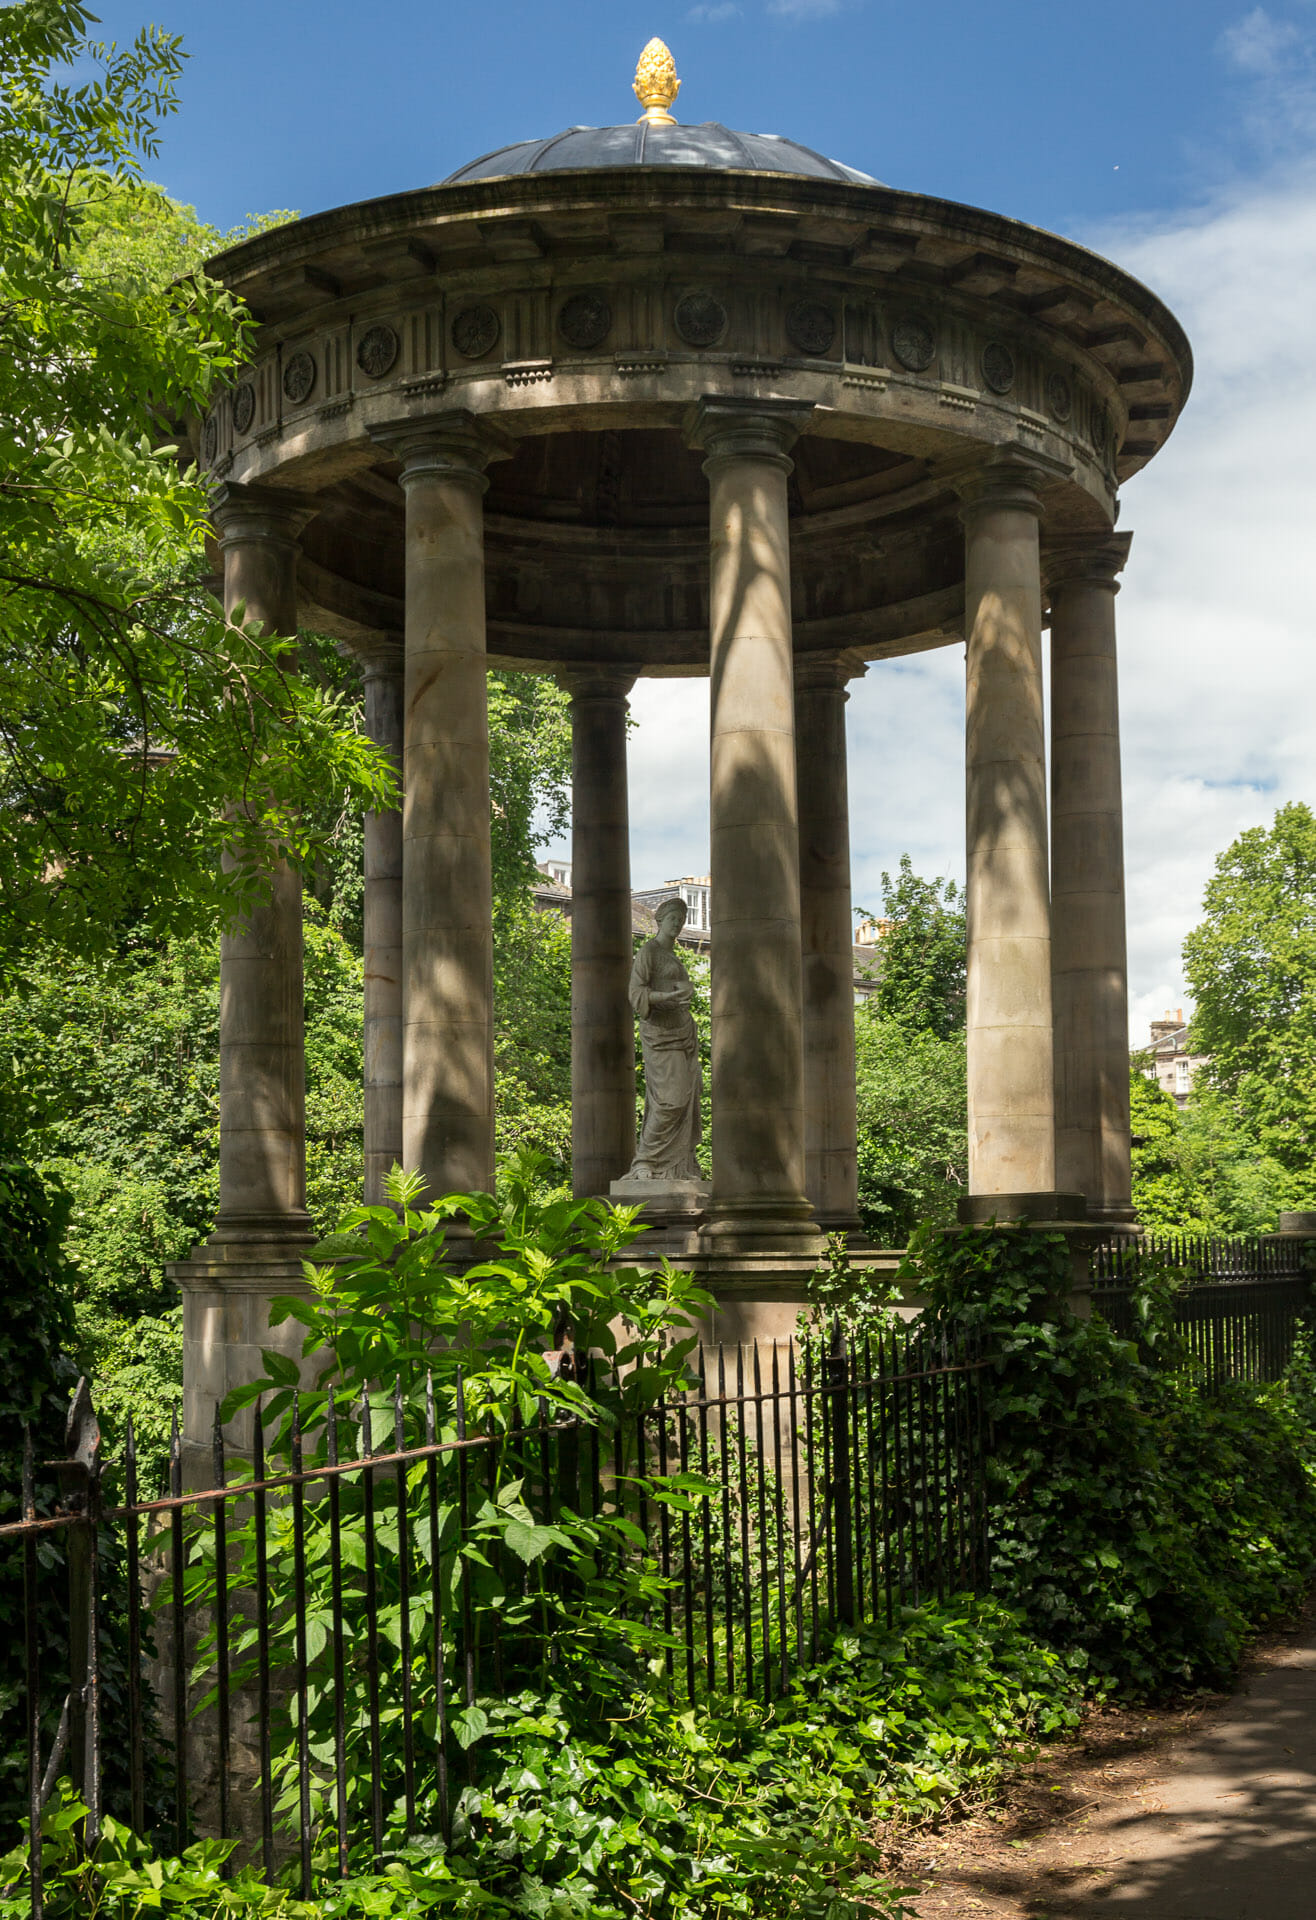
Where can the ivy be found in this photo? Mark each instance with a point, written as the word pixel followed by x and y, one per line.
pixel 1143 1526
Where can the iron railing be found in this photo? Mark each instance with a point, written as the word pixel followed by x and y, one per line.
pixel 303 1636
pixel 1237 1303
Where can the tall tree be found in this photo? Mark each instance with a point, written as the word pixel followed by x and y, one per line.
pixel 1251 967
pixel 909 1046
pixel 921 957
pixel 131 712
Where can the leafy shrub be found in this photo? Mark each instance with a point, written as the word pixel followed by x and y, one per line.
pixel 1139 1523
pixel 733 1809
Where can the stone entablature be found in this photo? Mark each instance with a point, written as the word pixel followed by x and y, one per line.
pixel 579 309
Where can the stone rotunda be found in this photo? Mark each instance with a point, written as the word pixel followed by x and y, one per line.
pixel 666 399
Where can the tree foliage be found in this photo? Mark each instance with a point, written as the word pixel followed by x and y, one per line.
pixel 922 955
pixel 132 713
pixel 1197 1169
pixel 909 1056
pixel 1251 966
pixel 912 1102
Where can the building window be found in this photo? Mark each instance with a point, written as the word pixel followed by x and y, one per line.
pixel 696 900
pixel 1183 1076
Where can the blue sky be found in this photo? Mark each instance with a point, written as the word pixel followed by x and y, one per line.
pixel 1178 138
pixel 1061 114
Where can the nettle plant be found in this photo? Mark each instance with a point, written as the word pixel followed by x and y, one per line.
pixel 515 1564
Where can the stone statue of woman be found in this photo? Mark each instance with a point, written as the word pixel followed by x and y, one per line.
pixel 660 993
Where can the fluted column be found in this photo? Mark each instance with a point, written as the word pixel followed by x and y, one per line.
pixel 1011 1095
pixel 1089 962
pixel 262 1070
pixel 827 936
pixel 447 895
pixel 382 1049
pixel 758 1198
pixel 602 1026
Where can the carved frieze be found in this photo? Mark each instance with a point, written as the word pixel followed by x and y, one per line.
pixel 210 439
pixel 377 351
pixel 1059 396
pixel 244 406
pixel 299 377
pixel 585 320
pixel 997 364
pixel 700 318
pixel 475 332
pixel 913 342
pixel 811 328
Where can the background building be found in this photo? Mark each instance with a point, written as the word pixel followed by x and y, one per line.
pixel 1172 1063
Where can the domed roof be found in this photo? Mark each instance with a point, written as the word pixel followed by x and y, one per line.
pixel 647 145
pixel 657 140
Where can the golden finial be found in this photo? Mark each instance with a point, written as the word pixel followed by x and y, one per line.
pixel 656 84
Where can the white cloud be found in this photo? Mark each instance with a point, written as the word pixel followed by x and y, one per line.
pixel 803 9
pixel 1257 43
pixel 1217 615
pixel 713 15
pixel 1216 628
pixel 1277 103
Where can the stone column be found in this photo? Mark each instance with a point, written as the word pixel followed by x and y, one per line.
pixel 1011 1095
pixel 262 1228
pixel 447 899
pixel 827 936
pixel 602 1026
pixel 262 1098
pixel 382 1051
pixel 1089 964
pixel 758 1199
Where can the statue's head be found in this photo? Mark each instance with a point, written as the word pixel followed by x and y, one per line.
pixel 673 908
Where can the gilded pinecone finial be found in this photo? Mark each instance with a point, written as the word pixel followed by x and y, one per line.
pixel 656 84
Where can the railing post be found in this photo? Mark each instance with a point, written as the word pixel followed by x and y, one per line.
pixel 32 1671
pixel 80 1486
pixel 838 1400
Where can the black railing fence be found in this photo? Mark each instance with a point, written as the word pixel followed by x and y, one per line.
pixel 312 1640
pixel 302 1654
pixel 1237 1303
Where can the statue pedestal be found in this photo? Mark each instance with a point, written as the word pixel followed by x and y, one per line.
pixel 666 1201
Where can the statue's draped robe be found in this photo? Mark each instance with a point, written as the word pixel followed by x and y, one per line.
pixel 673 1080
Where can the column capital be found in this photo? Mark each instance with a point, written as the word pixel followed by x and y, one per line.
pixel 380 656
pixel 746 429
pixel 1011 480
pixel 1091 558
pixel 274 515
pixel 822 671
pixel 596 683
pixel 454 446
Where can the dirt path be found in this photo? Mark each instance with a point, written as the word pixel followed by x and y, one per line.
pixel 1205 1814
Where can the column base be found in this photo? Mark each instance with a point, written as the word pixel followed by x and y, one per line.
pixel 227 1287
pixel 978 1209
pixel 761 1225
pixel 847 1223
pixel 1120 1219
